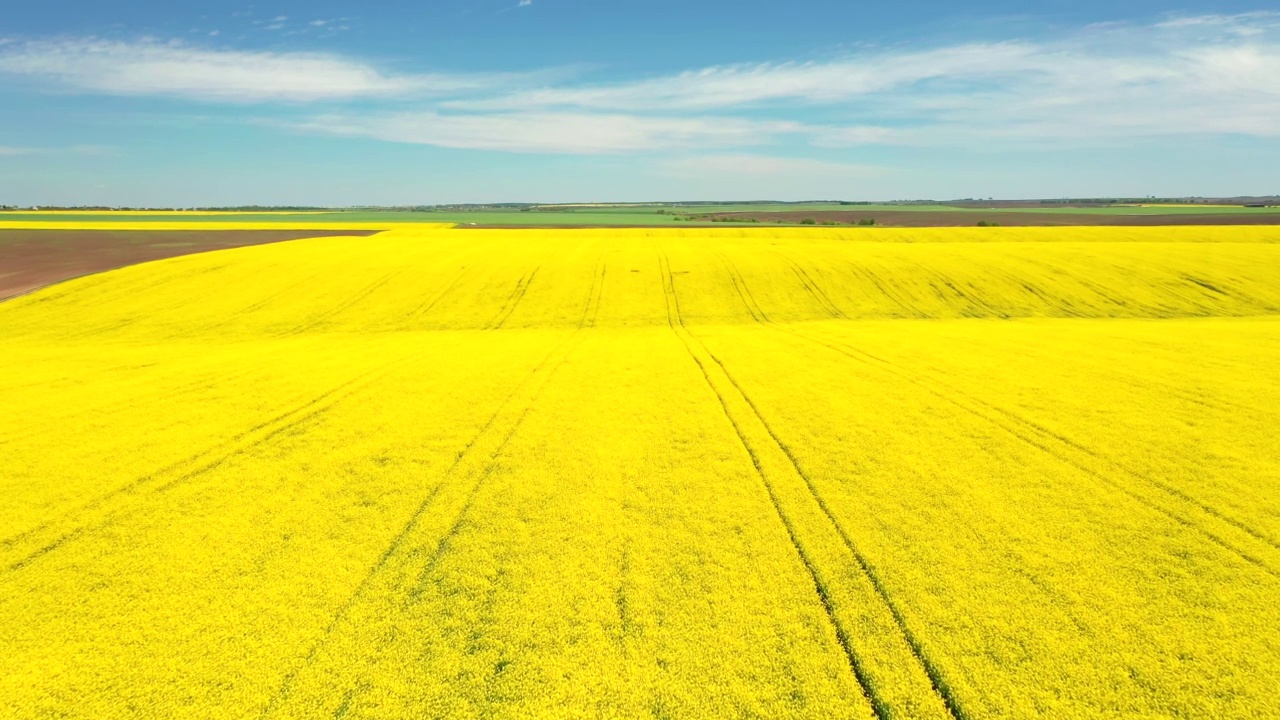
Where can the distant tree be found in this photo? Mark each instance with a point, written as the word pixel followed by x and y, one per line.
pixel 867 221
pixel 808 221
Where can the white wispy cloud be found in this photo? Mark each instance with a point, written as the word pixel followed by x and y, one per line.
pixel 742 85
pixel 1182 76
pixel 572 133
pixel 150 67
pixel 1107 84
pixel 1188 75
pixel 11 151
pixel 1250 23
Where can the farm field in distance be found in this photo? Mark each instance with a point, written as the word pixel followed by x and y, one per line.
pixel 679 214
pixel 667 472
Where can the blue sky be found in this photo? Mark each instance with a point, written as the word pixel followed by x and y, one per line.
pixel 339 103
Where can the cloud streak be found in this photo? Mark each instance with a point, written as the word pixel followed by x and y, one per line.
pixel 1184 76
pixel 746 85
pixel 153 68
pixel 565 133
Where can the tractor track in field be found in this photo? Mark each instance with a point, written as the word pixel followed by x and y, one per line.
pixel 940 689
pixel 517 295
pixel 744 292
pixel 260 303
pixel 344 305
pixel 442 547
pixel 402 537
pixel 509 305
pixel 939 684
pixel 1042 438
pixel 533 384
pixel 949 393
pixel 125 499
pixel 556 359
pixel 814 289
pixel 425 307
pixel 129 399
pixel 1216 404
pixel 820 587
pixel 1063 457
pixel 591 310
pixel 676 323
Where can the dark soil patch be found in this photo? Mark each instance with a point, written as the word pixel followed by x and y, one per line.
pixel 941 218
pixel 32 259
pixel 578 226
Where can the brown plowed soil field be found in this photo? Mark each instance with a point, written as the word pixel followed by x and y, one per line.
pixel 31 259
pixel 942 218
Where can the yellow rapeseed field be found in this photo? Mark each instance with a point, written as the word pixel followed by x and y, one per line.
pixel 784 473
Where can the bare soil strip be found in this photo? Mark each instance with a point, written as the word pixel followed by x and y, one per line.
pixel 32 259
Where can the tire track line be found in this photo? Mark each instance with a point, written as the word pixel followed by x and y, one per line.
pixel 426 306
pixel 1108 364
pixel 138 386
pixel 890 696
pixel 744 292
pixel 503 311
pixel 939 683
pixel 923 380
pixel 177 465
pixel 122 501
pixel 513 301
pixel 592 308
pixel 345 305
pixel 476 459
pixel 1042 438
pixel 812 287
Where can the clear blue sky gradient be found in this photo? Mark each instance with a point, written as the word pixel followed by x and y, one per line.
pixel 339 103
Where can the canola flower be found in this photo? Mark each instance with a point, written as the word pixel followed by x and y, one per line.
pixel 975 473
